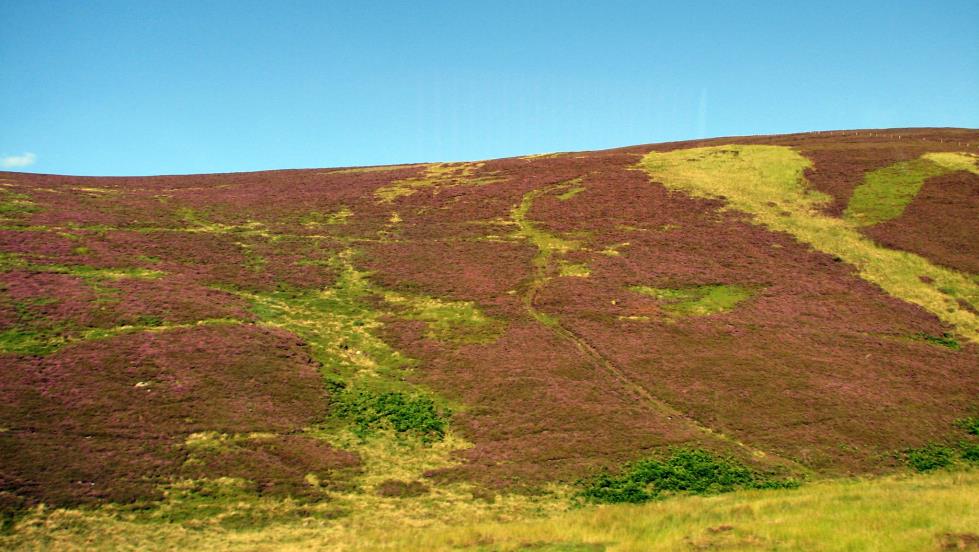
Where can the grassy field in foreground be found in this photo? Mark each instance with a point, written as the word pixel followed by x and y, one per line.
pixel 918 512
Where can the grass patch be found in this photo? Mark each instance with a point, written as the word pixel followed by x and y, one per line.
pixel 955 161
pixel 578 270
pixel 14 205
pixel 697 300
pixel 886 192
pixel 449 321
pixel 767 182
pixel 30 341
pixel 571 193
pixel 439 175
pixel 686 471
pixel 315 219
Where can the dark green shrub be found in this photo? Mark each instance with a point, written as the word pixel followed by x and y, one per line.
pixel 946 340
pixel 691 471
pixel 930 457
pixel 970 425
pixel 369 411
pixel 969 452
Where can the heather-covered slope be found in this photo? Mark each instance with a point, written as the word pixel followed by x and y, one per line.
pixel 432 335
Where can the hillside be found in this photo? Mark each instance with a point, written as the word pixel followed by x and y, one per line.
pixel 463 341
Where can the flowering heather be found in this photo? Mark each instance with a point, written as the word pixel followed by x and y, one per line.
pixel 496 326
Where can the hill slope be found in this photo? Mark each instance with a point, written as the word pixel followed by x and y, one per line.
pixel 807 304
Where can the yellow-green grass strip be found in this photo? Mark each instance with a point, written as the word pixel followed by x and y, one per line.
pixel 768 183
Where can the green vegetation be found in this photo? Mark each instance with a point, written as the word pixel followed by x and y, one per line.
pixel 686 471
pixel 449 321
pixel 930 457
pixel 571 193
pixel 366 375
pixel 954 161
pixel 697 300
pixel 11 261
pixel 767 182
pixel 369 411
pixel 439 175
pixel 886 192
pixel 315 219
pixel 548 245
pixel 32 334
pixel 13 205
pixel 946 340
pixel 573 269
pixel 970 425
pixel 934 456
pixel 21 340
pixel 899 513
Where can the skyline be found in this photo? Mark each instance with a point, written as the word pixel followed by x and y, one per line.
pixel 113 88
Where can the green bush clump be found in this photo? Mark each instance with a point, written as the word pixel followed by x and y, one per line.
pixel 369 411
pixel 970 452
pixel 946 340
pixel 935 456
pixel 930 457
pixel 970 425
pixel 691 471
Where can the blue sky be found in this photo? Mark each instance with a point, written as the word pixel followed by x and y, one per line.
pixel 141 87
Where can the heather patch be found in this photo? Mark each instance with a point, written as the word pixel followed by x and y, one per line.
pixel 103 421
pixel 697 300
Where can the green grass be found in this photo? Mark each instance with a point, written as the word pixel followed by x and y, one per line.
pixel 886 192
pixel 767 182
pixel 697 300
pixel 955 161
pixel 368 377
pixel 571 193
pixel 548 246
pixel 447 321
pixel 890 514
pixel 439 175
pixel 13 205
pixel 21 340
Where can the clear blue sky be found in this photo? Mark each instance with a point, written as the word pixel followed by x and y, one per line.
pixel 143 87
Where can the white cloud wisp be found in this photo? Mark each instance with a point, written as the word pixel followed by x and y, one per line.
pixel 17 161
